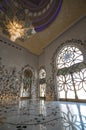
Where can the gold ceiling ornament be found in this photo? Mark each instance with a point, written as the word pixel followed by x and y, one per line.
pixel 16 29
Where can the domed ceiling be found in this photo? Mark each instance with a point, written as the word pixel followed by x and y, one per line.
pixel 27 15
pixel 28 22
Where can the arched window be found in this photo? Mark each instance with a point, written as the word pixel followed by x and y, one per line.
pixel 68 56
pixel 71 73
pixel 42 83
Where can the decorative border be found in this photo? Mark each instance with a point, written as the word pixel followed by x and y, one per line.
pixel 10 44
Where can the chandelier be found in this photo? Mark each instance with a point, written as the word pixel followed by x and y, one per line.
pixel 17 29
pixel 17 16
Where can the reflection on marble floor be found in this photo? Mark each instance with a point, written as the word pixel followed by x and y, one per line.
pixel 42 115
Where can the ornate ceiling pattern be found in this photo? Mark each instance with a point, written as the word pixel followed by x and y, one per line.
pixel 39 13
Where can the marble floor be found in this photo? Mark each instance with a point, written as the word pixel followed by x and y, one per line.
pixel 42 115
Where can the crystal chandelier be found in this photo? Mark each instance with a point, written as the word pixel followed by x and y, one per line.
pixel 17 29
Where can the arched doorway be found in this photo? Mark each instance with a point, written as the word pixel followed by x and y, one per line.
pixel 27 78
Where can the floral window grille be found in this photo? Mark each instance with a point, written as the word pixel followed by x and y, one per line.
pixel 71 73
pixel 42 82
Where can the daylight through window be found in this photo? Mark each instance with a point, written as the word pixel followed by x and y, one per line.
pixel 71 73
pixel 42 82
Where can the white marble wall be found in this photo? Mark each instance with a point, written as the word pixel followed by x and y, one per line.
pixel 15 56
pixel 77 31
